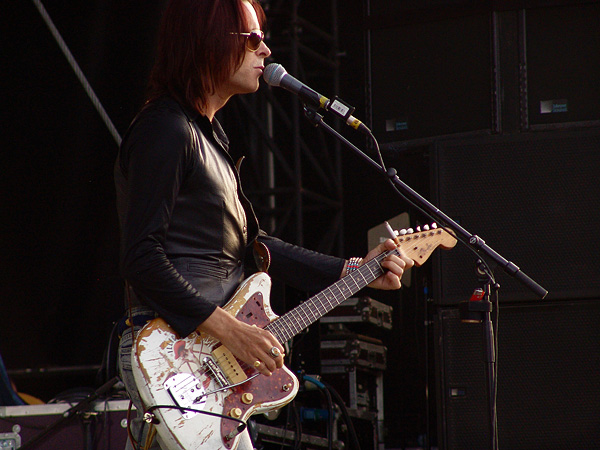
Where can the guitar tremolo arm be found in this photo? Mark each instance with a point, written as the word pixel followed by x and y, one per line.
pixel 214 369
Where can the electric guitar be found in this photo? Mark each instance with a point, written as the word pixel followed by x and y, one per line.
pixel 201 395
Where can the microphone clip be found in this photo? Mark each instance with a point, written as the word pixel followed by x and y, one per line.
pixel 313 115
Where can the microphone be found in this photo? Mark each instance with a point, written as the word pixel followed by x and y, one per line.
pixel 275 75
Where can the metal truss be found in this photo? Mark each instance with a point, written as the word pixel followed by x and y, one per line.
pixel 293 170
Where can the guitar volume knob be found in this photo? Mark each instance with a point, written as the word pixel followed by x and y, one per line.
pixel 247 398
pixel 236 413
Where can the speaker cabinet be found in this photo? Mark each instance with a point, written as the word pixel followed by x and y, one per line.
pixel 459 66
pixel 563 63
pixel 548 388
pixel 534 199
pixel 431 75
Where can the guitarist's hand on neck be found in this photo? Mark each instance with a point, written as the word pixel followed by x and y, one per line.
pixel 393 264
pixel 248 343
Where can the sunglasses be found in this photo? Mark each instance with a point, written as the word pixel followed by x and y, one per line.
pixel 253 39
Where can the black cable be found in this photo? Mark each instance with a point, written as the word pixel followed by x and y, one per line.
pixel 330 421
pixel 298 423
pixel 153 420
pixel 240 428
pixel 495 387
pixel 138 443
pixel 340 402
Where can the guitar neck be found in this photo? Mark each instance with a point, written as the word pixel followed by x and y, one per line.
pixel 304 315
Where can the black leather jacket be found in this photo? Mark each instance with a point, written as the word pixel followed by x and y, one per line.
pixel 185 222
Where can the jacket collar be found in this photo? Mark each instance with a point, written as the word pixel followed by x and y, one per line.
pixel 206 125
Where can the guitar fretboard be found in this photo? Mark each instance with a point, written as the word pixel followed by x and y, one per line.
pixel 301 317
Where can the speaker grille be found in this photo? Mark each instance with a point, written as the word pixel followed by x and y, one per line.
pixel 534 199
pixel 562 68
pixel 548 389
pixel 419 84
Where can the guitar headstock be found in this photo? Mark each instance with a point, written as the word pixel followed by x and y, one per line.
pixel 420 244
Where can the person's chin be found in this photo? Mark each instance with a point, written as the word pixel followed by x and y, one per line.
pixel 251 89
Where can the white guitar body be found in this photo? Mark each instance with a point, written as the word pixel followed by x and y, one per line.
pixel 169 370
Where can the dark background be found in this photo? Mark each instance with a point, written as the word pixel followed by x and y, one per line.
pixel 461 83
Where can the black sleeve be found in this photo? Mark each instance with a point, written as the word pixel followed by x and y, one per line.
pixel 300 268
pixel 154 157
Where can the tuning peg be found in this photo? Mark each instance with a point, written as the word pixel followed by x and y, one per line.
pixel 402 232
pixel 410 231
pixel 434 226
pixel 426 227
pixel 418 229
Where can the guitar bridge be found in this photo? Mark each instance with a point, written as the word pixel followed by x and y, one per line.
pixel 211 366
pixel 187 392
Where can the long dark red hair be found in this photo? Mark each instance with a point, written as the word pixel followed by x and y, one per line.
pixel 196 51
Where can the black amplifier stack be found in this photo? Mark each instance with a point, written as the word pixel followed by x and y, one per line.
pixel 353 361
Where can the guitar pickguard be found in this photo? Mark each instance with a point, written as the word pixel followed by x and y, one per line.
pixel 248 398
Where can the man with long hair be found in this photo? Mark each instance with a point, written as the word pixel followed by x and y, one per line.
pixel 185 222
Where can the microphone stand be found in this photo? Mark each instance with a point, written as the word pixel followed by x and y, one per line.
pixel 479 310
pixel 472 240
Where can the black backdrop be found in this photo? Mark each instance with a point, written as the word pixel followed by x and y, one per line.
pixel 60 284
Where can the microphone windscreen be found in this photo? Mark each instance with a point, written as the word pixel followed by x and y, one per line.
pixel 273 74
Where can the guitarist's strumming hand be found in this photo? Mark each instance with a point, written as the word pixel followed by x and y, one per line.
pixel 248 343
pixel 393 264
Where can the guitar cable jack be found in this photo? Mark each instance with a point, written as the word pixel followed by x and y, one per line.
pixel 150 418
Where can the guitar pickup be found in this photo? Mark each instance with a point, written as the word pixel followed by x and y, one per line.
pixel 229 365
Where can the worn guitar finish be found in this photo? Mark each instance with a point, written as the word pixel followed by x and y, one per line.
pixel 178 377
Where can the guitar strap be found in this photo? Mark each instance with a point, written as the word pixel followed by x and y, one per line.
pixel 262 256
pixel 134 318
